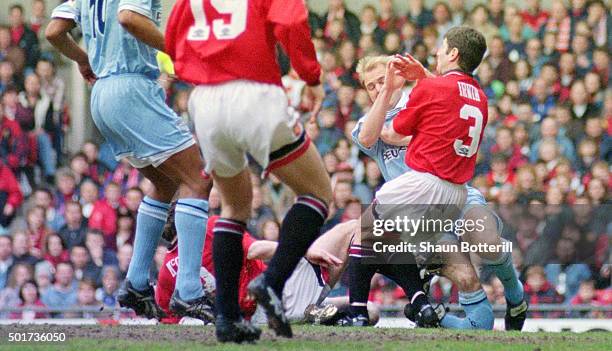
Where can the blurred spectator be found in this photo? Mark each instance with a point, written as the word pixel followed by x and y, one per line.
pixel 88 197
pixel 107 294
pixel 104 213
pixel 23 36
pixel 538 290
pixel 337 11
pixel 79 168
pixel 35 116
pixel 97 170
pixel 124 255
pixel 43 275
pixel 534 16
pixel 84 267
pixel 9 296
pixel 54 251
pixel 125 176
pixel 37 230
pixel 73 232
pixel 370 24
pixel 29 296
pixel 86 298
pixel 560 24
pixel 125 231
pixel 10 196
pixel 22 248
pixel 418 14
pixel 6 259
pixel 566 273
pixel 549 130
pixel 63 291
pixel 100 256
pixel 260 212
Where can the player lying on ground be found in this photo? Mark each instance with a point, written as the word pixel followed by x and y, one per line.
pixel 384 89
pixel 477 209
pixel 128 106
pixel 240 107
pixel 308 285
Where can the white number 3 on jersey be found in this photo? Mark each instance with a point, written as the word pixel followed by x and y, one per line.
pixel 237 24
pixel 467 112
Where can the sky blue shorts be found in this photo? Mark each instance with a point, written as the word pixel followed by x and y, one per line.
pixel 131 113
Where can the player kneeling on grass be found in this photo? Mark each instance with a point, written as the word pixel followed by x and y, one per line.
pixel 308 286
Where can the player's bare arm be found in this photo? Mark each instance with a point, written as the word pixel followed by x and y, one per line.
pixel 142 28
pixel 57 33
pixel 262 250
pixel 391 137
pixel 391 82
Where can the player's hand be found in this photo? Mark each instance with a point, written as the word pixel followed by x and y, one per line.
pixel 393 79
pixel 316 95
pixel 322 258
pixel 409 67
pixel 87 72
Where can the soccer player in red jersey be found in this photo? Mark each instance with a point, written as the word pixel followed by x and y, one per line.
pixel 446 116
pixel 228 49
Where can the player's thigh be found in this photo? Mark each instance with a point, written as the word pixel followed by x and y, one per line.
pixel 306 175
pixel 236 195
pixel 186 167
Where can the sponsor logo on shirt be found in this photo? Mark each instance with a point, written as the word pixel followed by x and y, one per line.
pixel 391 154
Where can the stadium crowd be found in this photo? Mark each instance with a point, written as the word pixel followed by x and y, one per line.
pixel 67 220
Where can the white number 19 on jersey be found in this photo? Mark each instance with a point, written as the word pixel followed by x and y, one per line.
pixel 200 31
pixel 467 112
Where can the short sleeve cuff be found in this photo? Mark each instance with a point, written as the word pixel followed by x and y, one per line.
pixel 135 8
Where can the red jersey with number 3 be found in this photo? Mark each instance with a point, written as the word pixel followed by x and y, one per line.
pixel 214 41
pixel 446 116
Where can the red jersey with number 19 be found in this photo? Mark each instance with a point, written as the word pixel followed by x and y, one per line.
pixel 215 41
pixel 446 116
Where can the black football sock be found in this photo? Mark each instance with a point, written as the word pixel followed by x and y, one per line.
pixel 227 257
pixel 408 278
pixel 360 278
pixel 299 230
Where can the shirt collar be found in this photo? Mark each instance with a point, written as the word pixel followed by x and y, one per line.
pixel 455 72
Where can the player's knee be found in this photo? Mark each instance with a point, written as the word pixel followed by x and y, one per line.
pixel 196 188
pixel 466 280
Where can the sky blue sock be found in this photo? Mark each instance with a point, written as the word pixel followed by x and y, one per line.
pixel 504 270
pixel 478 311
pixel 150 221
pixel 190 219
